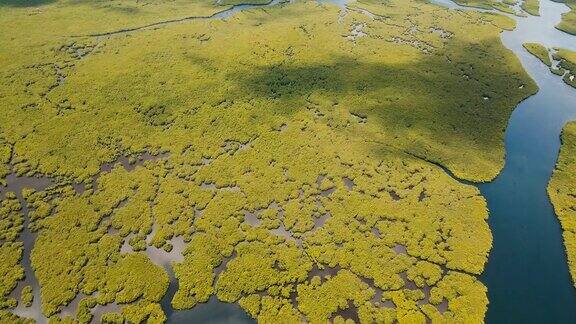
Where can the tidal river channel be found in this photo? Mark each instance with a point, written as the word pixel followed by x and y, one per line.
pixel 527 273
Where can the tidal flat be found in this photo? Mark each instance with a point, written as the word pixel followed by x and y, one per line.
pixel 270 161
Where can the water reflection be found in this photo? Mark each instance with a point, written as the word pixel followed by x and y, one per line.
pixel 16 184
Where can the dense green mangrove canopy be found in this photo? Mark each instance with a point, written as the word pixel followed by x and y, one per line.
pixel 563 193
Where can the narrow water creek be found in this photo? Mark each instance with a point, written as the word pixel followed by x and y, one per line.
pixel 16 184
pixel 218 15
pixel 527 273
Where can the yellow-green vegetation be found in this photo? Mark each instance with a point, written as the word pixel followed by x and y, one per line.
pixel 562 193
pixel 567 62
pixel 7 317
pixel 11 224
pixel 27 296
pixel 267 117
pixel 564 61
pixel 568 23
pixel 539 51
pixel 92 262
pixel 531 6
pixel 237 2
pixel 5 156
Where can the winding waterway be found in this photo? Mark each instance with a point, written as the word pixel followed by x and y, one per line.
pixel 527 274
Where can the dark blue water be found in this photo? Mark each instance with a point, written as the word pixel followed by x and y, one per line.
pixel 527 274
